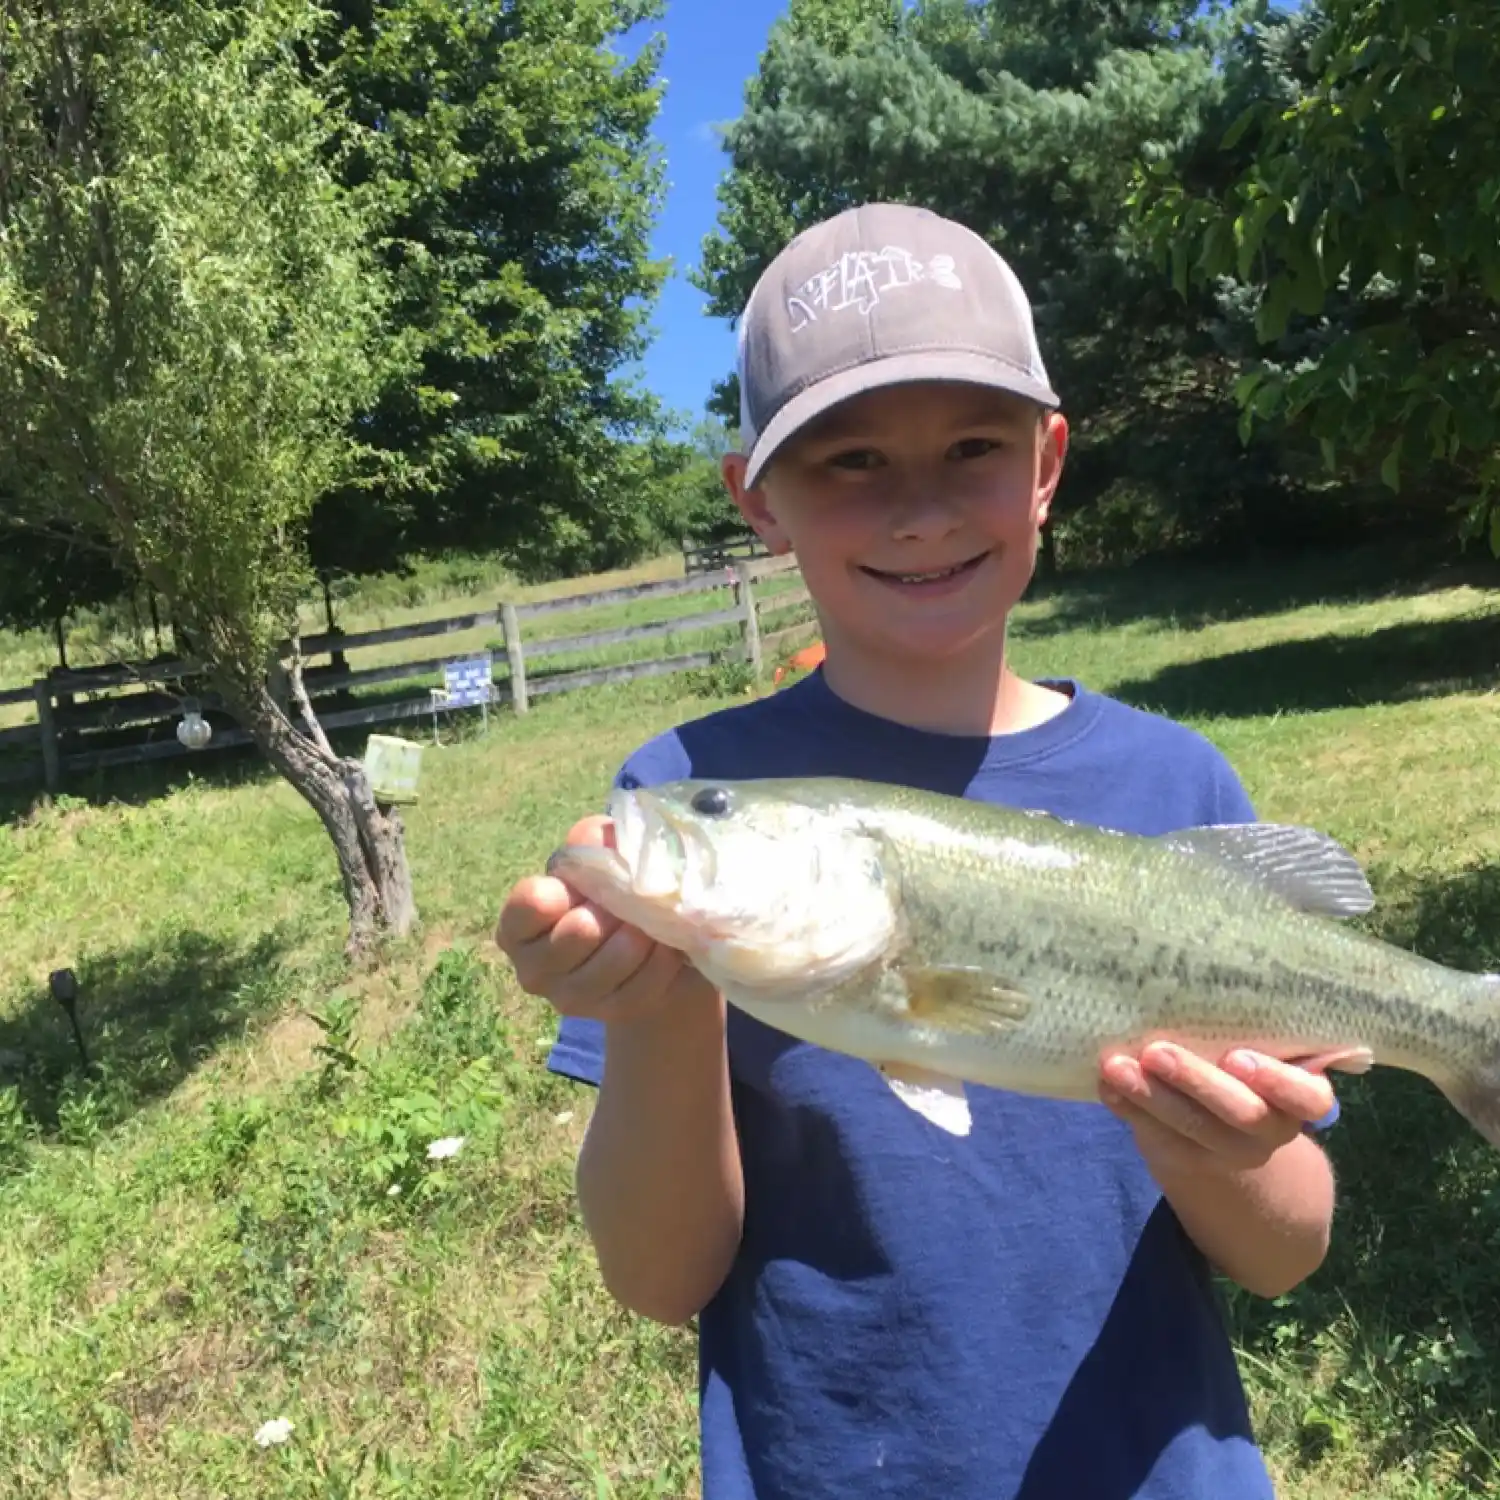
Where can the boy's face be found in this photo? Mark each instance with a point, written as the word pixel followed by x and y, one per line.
pixel 914 513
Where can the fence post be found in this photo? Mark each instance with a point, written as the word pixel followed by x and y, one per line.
pixel 515 656
pixel 744 597
pixel 47 725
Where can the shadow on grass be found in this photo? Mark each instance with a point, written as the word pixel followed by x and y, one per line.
pixel 150 1014
pixel 1191 592
pixel 1412 1266
pixel 1420 659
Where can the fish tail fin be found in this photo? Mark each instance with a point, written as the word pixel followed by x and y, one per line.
pixel 1475 1094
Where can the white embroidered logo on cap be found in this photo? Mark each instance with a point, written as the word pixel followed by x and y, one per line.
pixel 859 279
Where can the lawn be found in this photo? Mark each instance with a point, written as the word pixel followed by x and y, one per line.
pixel 236 1219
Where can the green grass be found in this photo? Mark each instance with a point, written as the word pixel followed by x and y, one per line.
pixel 203 1235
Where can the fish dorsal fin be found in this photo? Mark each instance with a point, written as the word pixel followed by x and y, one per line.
pixel 1307 869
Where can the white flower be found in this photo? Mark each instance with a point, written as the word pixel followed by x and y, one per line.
pixel 394 1190
pixel 278 1430
pixel 450 1145
pixel 563 1118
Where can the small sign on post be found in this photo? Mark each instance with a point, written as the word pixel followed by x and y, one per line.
pixel 469 683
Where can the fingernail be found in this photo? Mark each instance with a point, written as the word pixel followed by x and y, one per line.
pixel 1246 1062
pixel 1129 1074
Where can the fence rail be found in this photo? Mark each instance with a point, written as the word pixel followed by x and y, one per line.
pixel 707 557
pixel 126 713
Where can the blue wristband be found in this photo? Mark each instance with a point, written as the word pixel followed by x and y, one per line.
pixel 1317 1127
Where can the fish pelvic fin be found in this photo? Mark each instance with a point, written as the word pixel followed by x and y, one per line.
pixel 1476 1093
pixel 1307 869
pixel 963 999
pixel 937 1098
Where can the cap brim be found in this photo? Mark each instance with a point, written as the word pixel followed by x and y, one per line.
pixel 897 369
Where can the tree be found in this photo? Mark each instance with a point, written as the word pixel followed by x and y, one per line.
pixel 188 320
pixel 1023 121
pixel 1363 233
pixel 698 506
pixel 512 146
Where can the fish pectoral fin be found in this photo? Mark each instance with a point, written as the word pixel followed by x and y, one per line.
pixel 1307 869
pixel 938 1099
pixel 963 999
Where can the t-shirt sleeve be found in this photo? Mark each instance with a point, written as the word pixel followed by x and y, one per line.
pixel 1232 802
pixel 578 1051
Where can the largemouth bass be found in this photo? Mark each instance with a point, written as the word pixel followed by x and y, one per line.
pixel 950 941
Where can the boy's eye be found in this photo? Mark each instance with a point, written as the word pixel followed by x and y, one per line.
pixel 974 447
pixel 854 458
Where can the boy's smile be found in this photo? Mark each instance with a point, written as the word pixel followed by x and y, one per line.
pixel 933 582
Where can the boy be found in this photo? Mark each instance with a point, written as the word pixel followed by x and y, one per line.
pixel 885 1310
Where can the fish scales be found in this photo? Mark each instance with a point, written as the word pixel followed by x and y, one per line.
pixel 950 941
pixel 1206 958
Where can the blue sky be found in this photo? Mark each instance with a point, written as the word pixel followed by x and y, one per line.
pixel 713 46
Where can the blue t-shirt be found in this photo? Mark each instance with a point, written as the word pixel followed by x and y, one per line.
pixel 1015 1315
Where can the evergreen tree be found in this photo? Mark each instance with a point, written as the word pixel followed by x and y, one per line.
pixel 1023 121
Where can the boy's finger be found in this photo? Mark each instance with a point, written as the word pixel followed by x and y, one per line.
pixel 1159 1142
pixel 1284 1086
pixel 534 907
pixel 610 965
pixel 645 989
pixel 1172 1129
pixel 592 830
pixel 1221 1094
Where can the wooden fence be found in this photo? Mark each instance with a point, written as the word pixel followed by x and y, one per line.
pixel 125 714
pixel 707 557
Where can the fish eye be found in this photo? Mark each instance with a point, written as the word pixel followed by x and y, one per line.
pixel 712 801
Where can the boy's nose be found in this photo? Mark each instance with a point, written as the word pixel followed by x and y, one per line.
pixel 920 512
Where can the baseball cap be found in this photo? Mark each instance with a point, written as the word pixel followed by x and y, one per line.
pixel 879 295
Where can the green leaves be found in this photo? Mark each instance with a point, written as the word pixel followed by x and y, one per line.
pixel 513 152
pixel 200 310
pixel 1368 218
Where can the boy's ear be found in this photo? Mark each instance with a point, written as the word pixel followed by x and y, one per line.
pixel 752 504
pixel 1052 452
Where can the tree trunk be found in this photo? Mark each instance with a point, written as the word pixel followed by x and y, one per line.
pixel 368 839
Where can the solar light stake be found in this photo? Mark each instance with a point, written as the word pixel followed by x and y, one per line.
pixel 64 986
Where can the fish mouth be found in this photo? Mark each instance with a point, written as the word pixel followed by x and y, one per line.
pixel 662 855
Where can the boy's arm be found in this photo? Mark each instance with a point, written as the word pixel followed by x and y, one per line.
pixel 659 1180
pixel 1228 1148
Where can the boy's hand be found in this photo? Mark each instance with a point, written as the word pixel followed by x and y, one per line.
pixel 1189 1115
pixel 579 958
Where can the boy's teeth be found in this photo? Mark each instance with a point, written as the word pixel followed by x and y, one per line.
pixel 928 577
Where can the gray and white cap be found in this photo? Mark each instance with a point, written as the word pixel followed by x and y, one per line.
pixel 879 295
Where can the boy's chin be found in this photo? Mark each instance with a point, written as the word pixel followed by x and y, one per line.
pixel 934 643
